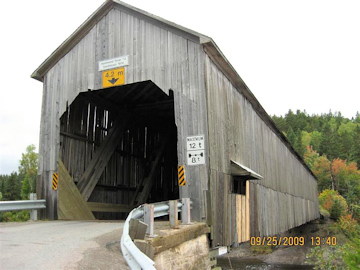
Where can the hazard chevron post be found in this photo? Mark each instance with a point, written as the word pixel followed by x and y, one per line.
pixel 54 181
pixel 181 174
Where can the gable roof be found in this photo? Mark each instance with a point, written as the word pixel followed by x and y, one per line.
pixel 102 11
pixel 210 47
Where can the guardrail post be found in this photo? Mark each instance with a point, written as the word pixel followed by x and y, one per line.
pixel 185 211
pixel 33 212
pixel 149 219
pixel 173 214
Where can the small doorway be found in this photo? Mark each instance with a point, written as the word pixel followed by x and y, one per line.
pixel 240 176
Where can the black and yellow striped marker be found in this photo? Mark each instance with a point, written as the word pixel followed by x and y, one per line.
pixel 181 175
pixel 54 181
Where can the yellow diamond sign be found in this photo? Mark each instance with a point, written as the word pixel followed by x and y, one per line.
pixel 113 77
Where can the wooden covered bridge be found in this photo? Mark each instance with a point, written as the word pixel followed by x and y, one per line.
pixel 130 101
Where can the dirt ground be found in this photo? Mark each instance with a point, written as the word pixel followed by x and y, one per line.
pixel 289 255
pixel 106 255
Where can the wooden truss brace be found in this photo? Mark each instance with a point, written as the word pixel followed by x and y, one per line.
pixel 71 204
pixel 102 156
pixel 147 183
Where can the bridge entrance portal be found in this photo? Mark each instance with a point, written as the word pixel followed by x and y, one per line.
pixel 119 147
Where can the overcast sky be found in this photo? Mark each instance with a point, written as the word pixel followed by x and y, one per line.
pixel 292 54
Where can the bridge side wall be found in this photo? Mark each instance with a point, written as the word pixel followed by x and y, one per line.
pixel 287 195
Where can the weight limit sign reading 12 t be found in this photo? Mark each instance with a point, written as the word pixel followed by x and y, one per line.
pixel 195 146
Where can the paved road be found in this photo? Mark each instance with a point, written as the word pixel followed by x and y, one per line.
pixel 61 245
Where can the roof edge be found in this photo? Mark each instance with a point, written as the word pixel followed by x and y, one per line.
pixel 71 41
pixel 85 28
pixel 219 59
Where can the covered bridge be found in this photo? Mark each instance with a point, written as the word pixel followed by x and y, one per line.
pixel 131 101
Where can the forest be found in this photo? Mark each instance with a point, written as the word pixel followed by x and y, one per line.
pixel 330 146
pixel 18 185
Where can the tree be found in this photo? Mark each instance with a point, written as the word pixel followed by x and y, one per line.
pixel 338 171
pixel 355 148
pixel 322 172
pixel 310 157
pixel 329 144
pixel 2 184
pixel 315 139
pixel 25 189
pixel 298 143
pixel 28 167
pixel 291 136
pixel 12 187
pixel 280 122
pixel 333 202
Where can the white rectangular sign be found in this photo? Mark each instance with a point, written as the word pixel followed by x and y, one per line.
pixel 222 250
pixel 196 157
pixel 195 142
pixel 114 63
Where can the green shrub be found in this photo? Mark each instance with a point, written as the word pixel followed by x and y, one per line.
pixel 323 212
pixel 352 254
pixel 334 203
pixel 327 258
pixel 349 226
pixel 336 209
pixel 15 216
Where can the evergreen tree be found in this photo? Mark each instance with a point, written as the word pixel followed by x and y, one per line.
pixel 330 143
pixel 298 143
pixel 357 118
pixel 355 147
pixel 346 143
pixel 316 140
pixel 280 122
pixel 25 189
pixel 12 188
pixel 2 184
pixel 291 136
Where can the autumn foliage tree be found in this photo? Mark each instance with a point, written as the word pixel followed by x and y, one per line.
pixel 333 202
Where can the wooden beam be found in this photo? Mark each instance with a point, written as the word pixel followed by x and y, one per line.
pixel 137 229
pixel 76 137
pixel 102 156
pixel 98 101
pixel 140 198
pixel 143 92
pixel 160 105
pixel 109 207
pixel 71 204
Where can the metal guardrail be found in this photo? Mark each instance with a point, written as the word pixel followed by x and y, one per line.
pixel 22 205
pixel 31 204
pixel 132 254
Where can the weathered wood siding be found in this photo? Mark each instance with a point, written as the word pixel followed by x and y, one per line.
pixel 171 59
pixel 285 198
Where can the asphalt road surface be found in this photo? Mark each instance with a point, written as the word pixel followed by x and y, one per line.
pixel 61 245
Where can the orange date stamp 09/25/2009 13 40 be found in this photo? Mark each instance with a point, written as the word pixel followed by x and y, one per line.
pixel 292 241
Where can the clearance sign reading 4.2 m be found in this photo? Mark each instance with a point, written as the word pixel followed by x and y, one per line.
pixel 113 77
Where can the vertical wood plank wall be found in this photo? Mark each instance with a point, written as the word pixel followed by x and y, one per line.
pixel 285 198
pixel 170 60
